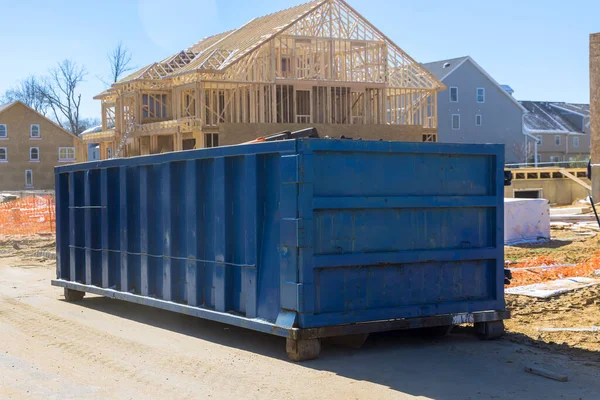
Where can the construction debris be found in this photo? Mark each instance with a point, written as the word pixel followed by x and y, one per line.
pixel 553 288
pixel 543 267
pixel 589 329
pixel 547 374
pixel 572 217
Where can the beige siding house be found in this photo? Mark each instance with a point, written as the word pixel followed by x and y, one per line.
pixel 563 130
pixel 31 146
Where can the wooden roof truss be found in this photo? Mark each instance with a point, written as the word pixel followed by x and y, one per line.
pixel 322 55
pixel 233 55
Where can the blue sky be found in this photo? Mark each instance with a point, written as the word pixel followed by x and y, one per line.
pixel 538 47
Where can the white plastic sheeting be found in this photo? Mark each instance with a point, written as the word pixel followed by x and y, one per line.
pixel 526 220
pixel 553 288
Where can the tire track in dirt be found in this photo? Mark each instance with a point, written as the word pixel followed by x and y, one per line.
pixel 111 352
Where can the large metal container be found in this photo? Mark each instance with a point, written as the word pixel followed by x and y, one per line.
pixel 301 238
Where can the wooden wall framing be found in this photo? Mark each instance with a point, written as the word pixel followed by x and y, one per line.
pixel 328 66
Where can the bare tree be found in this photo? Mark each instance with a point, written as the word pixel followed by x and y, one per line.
pixel 28 92
pixel 61 91
pixel 120 60
pixel 87 123
pixel 524 151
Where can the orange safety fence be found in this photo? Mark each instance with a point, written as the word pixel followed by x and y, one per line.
pixel 28 216
pixel 523 276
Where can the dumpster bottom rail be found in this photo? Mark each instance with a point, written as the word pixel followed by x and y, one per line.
pixel 294 333
pixel 399 324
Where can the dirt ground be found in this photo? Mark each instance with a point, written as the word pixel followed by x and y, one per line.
pixel 571 310
pixel 107 349
pixel 579 309
pixel 566 246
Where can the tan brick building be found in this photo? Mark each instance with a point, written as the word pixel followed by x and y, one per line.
pixel 31 146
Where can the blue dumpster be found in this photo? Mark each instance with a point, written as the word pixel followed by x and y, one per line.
pixel 305 239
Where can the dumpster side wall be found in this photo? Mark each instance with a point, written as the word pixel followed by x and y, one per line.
pixel 199 228
pixel 302 233
pixel 396 230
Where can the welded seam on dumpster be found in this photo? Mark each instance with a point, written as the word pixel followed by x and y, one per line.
pixel 165 256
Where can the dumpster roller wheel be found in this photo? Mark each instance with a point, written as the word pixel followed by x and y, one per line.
pixel 73 295
pixel 490 330
pixel 303 349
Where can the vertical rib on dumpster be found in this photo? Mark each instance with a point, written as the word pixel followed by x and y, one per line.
pixel 144 286
pixel 250 273
pixel 165 210
pixel 290 233
pixel 123 227
pixel 104 226
pixel 305 213
pixel 220 236
pixel 207 232
pixel 498 185
pixel 72 250
pixel 62 226
pixel 190 241
pixel 88 226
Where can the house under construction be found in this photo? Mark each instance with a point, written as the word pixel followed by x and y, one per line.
pixel 318 64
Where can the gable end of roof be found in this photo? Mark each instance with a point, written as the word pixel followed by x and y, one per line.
pixel 458 62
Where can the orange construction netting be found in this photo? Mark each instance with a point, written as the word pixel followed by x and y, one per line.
pixel 523 276
pixel 28 216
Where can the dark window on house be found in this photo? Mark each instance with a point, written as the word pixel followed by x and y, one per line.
pixel 188 144
pixel 3 131
pixel 34 154
pixel 3 154
pixel 303 106
pixel 480 95
pixel 453 94
pixel 557 140
pixel 34 131
pixel 478 120
pixel 286 66
pixel 211 140
pixel 29 178
pixel 455 122
pixel 66 154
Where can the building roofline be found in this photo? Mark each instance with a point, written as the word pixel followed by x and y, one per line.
pixel 41 115
pixel 465 59
pixel 7 106
pixel 552 132
pixel 488 76
pixel 567 110
pixel 483 71
pixel 245 52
